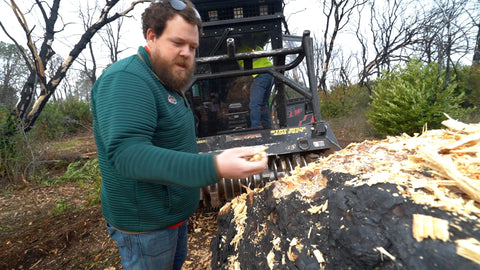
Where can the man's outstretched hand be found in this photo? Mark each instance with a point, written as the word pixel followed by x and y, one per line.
pixel 236 163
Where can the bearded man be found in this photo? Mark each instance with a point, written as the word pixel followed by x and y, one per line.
pixel 145 134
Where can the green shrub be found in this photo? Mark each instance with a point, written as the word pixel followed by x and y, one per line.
pixel 406 99
pixel 79 172
pixel 63 205
pixel 469 81
pixel 86 175
pixel 17 149
pixel 343 100
pixel 63 118
pixel 4 113
pixel 15 152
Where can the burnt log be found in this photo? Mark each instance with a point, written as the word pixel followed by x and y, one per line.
pixel 394 212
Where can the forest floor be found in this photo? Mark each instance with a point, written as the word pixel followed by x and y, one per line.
pixel 54 227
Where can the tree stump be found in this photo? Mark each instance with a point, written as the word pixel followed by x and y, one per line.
pixel 375 205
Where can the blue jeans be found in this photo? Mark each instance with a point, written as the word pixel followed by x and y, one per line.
pixel 259 95
pixel 161 249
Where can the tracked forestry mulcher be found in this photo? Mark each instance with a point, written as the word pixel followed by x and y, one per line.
pixel 219 93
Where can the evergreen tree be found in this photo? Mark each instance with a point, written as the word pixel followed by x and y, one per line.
pixel 407 98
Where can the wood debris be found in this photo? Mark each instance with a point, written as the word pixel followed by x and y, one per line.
pixel 458 126
pixel 239 206
pixel 319 256
pixel 469 248
pixel 429 227
pixel 260 154
pixel 384 252
pixel 368 200
pixel 428 168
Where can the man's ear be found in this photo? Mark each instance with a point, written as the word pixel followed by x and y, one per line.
pixel 150 35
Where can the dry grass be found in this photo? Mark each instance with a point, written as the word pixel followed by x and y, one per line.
pixel 352 128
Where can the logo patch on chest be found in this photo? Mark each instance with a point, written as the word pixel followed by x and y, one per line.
pixel 172 99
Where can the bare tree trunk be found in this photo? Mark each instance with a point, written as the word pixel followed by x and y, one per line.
pixel 112 40
pixel 26 95
pixel 337 12
pixel 473 80
pixel 27 112
pixel 391 32
pixel 476 52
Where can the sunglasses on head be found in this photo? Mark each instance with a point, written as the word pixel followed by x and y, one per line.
pixel 179 5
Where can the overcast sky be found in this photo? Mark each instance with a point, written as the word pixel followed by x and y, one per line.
pixel 300 15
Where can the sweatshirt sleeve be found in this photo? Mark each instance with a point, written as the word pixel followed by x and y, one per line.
pixel 127 122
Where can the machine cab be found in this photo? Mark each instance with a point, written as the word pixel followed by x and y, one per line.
pixel 221 105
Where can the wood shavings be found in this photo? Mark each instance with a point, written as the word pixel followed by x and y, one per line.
pixel 429 227
pixel 446 167
pixel 319 208
pixel 427 168
pixel 276 243
pixel 271 255
pixel 294 242
pixel 308 181
pixel 384 252
pixel 225 209
pixel 239 207
pixel 467 141
pixel 234 264
pixel 437 169
pixel 319 256
pixel 260 154
pixel 292 256
pixel 469 248
pixel 271 259
pixel 459 126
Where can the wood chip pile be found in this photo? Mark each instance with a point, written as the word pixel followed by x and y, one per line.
pixel 400 203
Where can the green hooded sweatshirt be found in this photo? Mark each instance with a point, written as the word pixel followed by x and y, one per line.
pixel 147 151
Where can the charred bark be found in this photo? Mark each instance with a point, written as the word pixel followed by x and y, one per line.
pixel 476 52
pixel 399 203
pixel 354 232
pixel 26 112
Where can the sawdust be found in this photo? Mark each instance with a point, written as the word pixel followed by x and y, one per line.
pixel 439 169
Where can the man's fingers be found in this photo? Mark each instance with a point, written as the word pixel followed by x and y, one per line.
pixel 236 163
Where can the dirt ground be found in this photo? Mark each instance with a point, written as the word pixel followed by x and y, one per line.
pixel 53 227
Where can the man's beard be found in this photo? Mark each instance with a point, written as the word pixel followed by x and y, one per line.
pixel 174 79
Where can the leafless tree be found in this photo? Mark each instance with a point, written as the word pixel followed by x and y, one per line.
pixel 110 36
pixel 112 39
pixel 476 52
pixel 39 54
pixel 338 14
pixel 346 70
pixel 50 67
pixel 473 12
pixel 473 88
pixel 87 21
pixel 445 34
pixel 391 33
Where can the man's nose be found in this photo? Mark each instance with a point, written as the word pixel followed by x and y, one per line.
pixel 187 51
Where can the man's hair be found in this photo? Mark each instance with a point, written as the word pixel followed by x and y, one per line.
pixel 159 12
